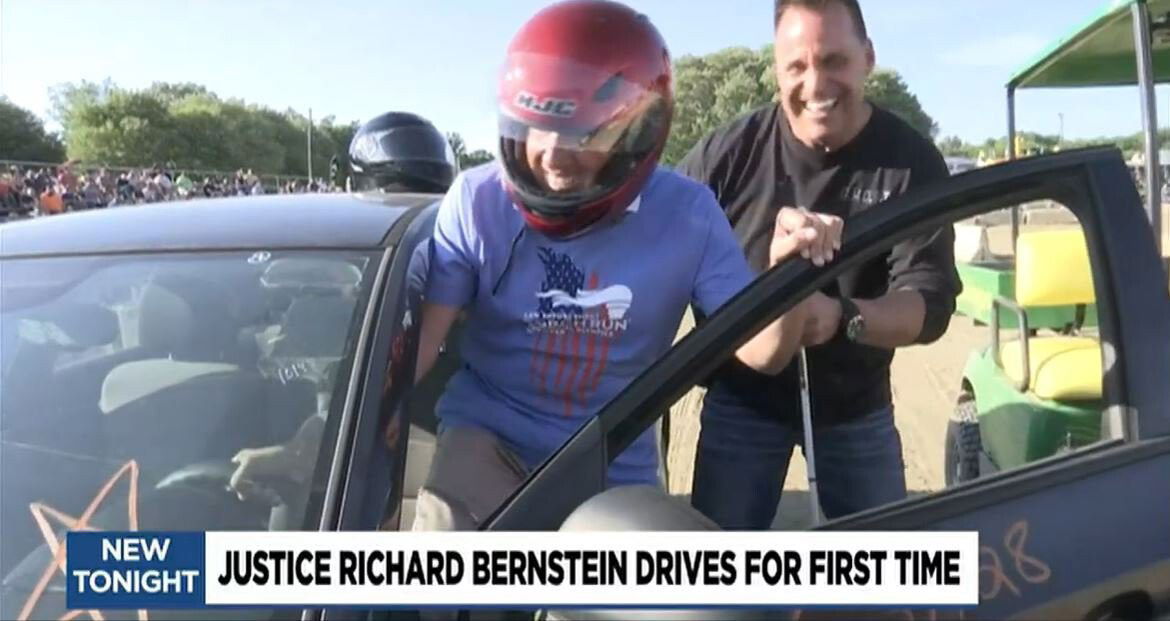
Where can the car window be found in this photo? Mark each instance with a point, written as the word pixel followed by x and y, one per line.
pixel 990 394
pixel 1031 416
pixel 135 387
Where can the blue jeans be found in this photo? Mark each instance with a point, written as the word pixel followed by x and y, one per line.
pixel 743 457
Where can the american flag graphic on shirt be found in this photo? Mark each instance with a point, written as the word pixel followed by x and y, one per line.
pixel 575 321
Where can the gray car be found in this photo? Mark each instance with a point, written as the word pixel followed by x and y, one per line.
pixel 143 349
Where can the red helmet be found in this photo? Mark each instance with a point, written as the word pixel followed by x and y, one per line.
pixel 585 109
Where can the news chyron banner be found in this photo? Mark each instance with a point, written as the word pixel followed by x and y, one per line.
pixel 151 570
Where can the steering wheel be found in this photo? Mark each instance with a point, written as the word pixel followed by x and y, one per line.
pixel 214 477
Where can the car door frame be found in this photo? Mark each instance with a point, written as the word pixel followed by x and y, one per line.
pixel 366 487
pixel 360 482
pixel 1093 183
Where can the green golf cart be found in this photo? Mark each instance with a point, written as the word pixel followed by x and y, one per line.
pixel 1037 392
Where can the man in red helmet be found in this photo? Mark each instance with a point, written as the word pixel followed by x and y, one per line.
pixel 574 256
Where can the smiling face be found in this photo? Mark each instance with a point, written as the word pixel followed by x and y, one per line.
pixel 822 62
pixel 559 167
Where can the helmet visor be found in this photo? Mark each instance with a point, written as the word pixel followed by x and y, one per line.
pixel 402 143
pixel 570 133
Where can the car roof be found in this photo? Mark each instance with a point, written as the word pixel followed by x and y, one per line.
pixel 359 220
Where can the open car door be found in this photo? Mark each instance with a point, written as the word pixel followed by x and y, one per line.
pixel 1078 535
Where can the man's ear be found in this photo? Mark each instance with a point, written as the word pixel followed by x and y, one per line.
pixel 870 57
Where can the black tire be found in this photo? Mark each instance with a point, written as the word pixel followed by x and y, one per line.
pixel 1134 606
pixel 963 442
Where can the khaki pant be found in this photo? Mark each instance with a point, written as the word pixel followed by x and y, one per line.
pixel 471 476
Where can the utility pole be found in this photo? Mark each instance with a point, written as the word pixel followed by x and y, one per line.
pixel 309 141
pixel 1 47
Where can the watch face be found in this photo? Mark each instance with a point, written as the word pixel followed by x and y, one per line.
pixel 856 325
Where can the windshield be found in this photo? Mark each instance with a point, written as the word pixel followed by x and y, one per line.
pixel 129 384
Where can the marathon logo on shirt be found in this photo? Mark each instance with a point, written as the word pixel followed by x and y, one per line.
pixel 611 302
pixel 549 106
pixel 575 322
pixel 565 305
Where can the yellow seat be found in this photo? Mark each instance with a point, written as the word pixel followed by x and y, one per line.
pixel 1053 269
pixel 1061 368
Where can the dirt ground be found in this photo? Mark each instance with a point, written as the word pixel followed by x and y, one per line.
pixel 925 380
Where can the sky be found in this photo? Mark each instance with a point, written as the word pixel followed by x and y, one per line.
pixel 354 59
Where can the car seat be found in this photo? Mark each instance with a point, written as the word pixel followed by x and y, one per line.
pixel 196 404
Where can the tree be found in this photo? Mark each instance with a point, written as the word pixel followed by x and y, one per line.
pixel 23 136
pixel 476 158
pixel 340 136
pixel 467 160
pixel 170 93
pixel 953 146
pixel 714 89
pixel 885 88
pixel 192 127
pixel 131 128
pixel 457 145
pixel 71 98
pixel 331 141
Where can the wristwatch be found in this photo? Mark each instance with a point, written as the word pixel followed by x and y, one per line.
pixel 852 324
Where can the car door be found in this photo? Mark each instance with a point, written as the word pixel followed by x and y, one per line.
pixel 1082 534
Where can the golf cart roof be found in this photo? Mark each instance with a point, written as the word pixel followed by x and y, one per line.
pixel 1100 52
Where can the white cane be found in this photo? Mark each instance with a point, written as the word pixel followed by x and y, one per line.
pixel 806 412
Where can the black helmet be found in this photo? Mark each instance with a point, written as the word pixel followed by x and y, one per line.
pixel 401 152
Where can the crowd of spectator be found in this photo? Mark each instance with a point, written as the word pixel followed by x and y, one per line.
pixel 51 190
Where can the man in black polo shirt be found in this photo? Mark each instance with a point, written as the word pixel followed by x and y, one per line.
pixel 823 153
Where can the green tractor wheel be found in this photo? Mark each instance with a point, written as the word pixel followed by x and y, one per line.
pixel 963 442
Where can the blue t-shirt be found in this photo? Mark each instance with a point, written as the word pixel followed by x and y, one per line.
pixel 556 328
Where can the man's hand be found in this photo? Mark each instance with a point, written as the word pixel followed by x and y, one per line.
pixel 823 319
pixel 253 463
pixel 292 461
pixel 816 236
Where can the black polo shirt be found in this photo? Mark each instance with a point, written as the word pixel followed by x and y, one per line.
pixel 755 166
